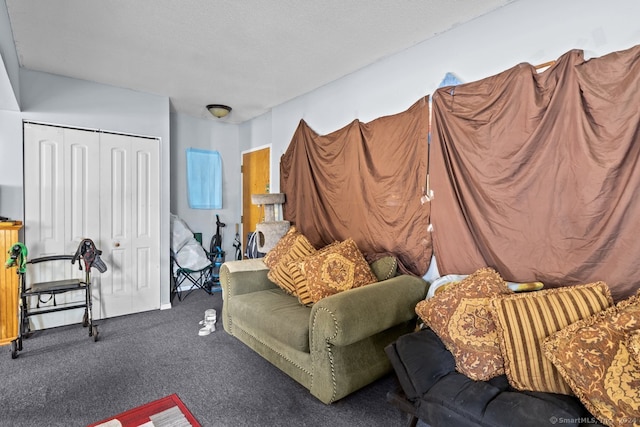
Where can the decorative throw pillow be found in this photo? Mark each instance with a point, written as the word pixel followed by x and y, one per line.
pixel 338 268
pixel 460 317
pixel 633 344
pixel 442 283
pixel 283 247
pixel 525 320
pixel 300 280
pixel 591 356
pixel 292 246
pixel 383 268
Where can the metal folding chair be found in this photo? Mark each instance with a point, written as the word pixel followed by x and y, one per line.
pixel 194 279
pixel 193 267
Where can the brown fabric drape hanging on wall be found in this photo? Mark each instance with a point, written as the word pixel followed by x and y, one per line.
pixel 537 175
pixel 363 181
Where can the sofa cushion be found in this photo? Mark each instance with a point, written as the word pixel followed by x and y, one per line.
pixel 525 320
pixel 273 315
pixel 420 360
pixel 593 358
pixel 460 401
pixel 460 316
pixel 336 268
pixel 292 246
pixel 444 397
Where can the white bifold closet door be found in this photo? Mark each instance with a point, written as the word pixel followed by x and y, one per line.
pixel 102 186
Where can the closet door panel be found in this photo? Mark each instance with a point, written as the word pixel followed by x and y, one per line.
pixel 61 208
pixel 44 189
pixel 115 172
pixel 82 187
pixel 146 221
pixel 82 209
pixel 129 170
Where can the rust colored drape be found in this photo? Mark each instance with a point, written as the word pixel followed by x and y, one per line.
pixel 538 175
pixel 365 182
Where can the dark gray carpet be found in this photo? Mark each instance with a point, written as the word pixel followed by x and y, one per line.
pixel 63 378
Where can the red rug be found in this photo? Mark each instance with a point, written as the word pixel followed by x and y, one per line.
pixel 162 412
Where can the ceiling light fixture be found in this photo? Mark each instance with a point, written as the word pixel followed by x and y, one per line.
pixel 218 110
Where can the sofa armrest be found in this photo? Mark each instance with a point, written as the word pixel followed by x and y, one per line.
pixel 351 316
pixel 244 276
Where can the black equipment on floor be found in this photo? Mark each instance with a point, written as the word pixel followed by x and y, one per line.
pixel 238 244
pixel 216 254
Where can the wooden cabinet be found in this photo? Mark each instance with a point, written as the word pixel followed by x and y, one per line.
pixel 9 292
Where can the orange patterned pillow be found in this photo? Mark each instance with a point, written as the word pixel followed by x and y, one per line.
pixel 284 246
pixel 338 268
pixel 300 280
pixel 460 317
pixel 633 344
pixel 290 247
pixel 592 357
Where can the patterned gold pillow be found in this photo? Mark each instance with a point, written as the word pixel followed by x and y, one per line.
pixel 633 344
pixel 460 317
pixel 283 247
pixel 525 320
pixel 295 246
pixel 338 268
pixel 591 356
pixel 300 280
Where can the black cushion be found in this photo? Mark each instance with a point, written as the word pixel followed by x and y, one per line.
pixel 442 396
pixel 420 359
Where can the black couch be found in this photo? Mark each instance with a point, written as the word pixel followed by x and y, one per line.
pixel 430 389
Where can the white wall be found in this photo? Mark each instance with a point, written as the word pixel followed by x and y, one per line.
pixel 11 179
pixel 9 67
pixel 533 31
pixel 256 132
pixel 10 127
pixel 207 134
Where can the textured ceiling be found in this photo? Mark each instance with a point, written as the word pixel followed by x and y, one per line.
pixel 251 54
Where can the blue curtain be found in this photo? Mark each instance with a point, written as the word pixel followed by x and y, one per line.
pixel 204 179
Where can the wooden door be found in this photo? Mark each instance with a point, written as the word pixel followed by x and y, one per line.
pixel 256 176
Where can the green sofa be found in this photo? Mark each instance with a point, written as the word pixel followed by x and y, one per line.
pixel 334 347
